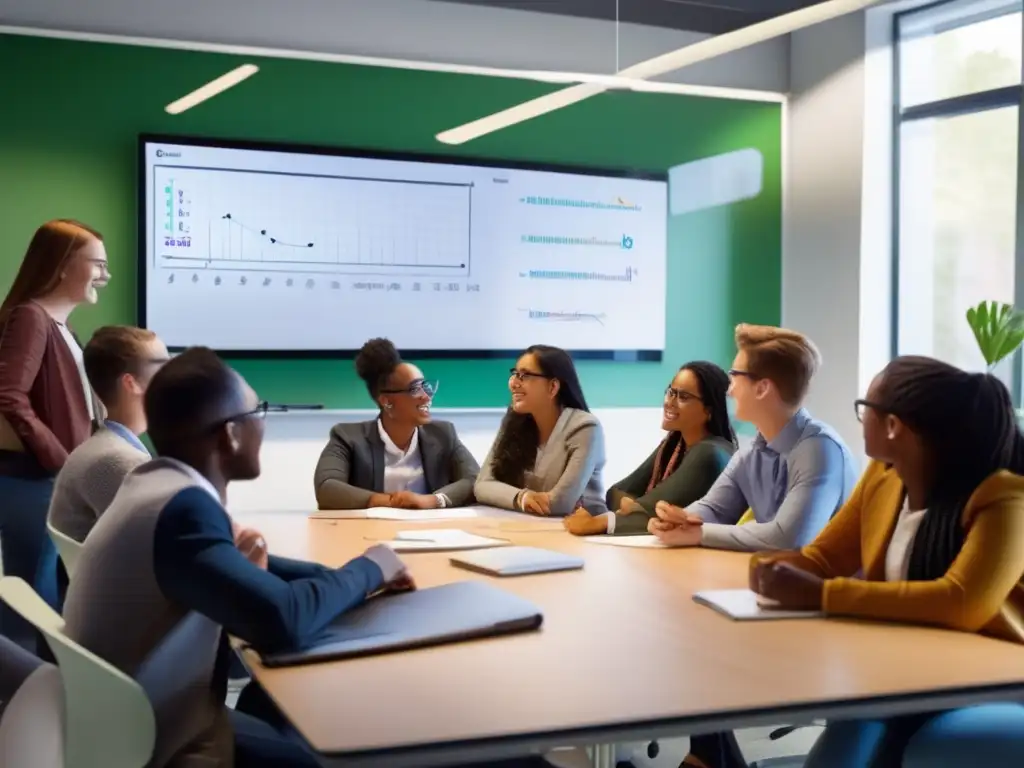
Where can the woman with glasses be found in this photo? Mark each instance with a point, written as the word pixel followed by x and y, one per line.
pixel 684 466
pixel 46 405
pixel 402 458
pixel 549 452
pixel 934 535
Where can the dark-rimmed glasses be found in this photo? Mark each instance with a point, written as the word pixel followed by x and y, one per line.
pixel 517 375
pixel 416 388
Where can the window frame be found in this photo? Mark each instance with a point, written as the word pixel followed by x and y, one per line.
pixel 972 103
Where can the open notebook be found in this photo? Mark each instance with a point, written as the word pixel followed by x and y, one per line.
pixel 745 605
pixel 441 540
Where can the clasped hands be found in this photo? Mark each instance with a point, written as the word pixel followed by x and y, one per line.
pixel 404 500
pixel 676 527
pixel 790 587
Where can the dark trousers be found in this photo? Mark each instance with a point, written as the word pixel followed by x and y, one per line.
pixel 26 550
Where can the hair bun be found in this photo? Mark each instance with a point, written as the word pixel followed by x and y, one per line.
pixel 377 358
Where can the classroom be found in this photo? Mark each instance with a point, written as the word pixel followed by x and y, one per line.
pixel 373 265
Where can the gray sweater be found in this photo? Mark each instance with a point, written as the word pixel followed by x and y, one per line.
pixel 89 480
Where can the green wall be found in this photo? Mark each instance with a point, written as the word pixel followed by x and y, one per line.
pixel 72 112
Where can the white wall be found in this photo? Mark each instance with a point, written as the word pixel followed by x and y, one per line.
pixel 293 442
pixel 836 256
pixel 409 29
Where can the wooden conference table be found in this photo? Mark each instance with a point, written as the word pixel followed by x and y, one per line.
pixel 624 655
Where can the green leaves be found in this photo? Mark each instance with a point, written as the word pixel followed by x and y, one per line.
pixel 998 329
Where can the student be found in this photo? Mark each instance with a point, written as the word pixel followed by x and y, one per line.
pixel 549 452
pixel 46 405
pixel 160 582
pixel 933 534
pixel 794 476
pixel 119 361
pixel 684 466
pixel 402 458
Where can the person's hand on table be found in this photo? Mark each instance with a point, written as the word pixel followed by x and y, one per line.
pixel 675 527
pixel 410 500
pixel 251 543
pixel 582 523
pixel 396 576
pixel 791 587
pixel 628 506
pixel 380 500
pixel 536 503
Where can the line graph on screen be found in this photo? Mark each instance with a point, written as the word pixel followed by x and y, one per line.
pixel 227 220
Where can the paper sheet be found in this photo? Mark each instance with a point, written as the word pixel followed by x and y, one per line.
pixel 744 605
pixel 441 540
pixel 642 541
pixel 388 513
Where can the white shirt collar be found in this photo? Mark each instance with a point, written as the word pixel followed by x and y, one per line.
pixel 195 476
pixel 389 444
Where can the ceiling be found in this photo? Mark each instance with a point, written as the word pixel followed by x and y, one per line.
pixel 708 16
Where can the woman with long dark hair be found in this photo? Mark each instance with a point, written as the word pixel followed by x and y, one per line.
pixel 549 453
pixel 47 407
pixel 933 534
pixel 684 466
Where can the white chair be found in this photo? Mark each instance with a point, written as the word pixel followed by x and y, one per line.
pixel 82 714
pixel 67 548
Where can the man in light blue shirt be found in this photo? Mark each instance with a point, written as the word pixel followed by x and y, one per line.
pixel 795 475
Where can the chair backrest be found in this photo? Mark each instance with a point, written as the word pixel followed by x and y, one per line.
pixel 67 548
pixel 33 724
pixel 108 720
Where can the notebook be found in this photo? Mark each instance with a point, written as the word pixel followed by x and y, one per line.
pixel 746 605
pixel 441 540
pixel 516 561
pixel 451 613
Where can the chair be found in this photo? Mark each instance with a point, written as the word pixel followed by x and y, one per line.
pixel 67 548
pixel 84 714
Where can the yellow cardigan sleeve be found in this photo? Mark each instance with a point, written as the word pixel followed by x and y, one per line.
pixel 836 550
pixel 968 596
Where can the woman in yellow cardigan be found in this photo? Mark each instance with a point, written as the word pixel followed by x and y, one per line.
pixel 933 534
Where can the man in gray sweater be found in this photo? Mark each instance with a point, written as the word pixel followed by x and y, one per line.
pixel 119 362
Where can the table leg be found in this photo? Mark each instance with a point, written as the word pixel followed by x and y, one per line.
pixel 602 756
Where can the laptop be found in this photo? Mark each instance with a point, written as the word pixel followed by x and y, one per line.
pixel 395 622
pixel 516 561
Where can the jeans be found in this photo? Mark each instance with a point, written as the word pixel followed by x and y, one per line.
pixel 26 549
pixel 990 735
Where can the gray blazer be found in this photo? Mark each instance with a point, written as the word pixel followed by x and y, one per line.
pixel 568 467
pixel 351 467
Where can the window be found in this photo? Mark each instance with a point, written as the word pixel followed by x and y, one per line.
pixel 958 86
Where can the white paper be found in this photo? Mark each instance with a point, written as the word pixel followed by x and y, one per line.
pixel 643 541
pixel 442 540
pixel 388 513
pixel 743 605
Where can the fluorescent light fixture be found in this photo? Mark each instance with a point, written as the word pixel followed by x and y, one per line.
pixel 703 50
pixel 212 88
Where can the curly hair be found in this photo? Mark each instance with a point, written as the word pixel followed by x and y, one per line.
pixel 375 362
pixel 515 449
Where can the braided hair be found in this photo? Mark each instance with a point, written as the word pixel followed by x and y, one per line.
pixel 515 448
pixel 375 362
pixel 969 427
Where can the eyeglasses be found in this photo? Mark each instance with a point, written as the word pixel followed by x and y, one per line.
pixel 671 393
pixel 416 388
pixel 734 373
pixel 101 263
pixel 860 406
pixel 520 376
pixel 259 412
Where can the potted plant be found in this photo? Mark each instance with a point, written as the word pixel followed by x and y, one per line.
pixel 999 330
